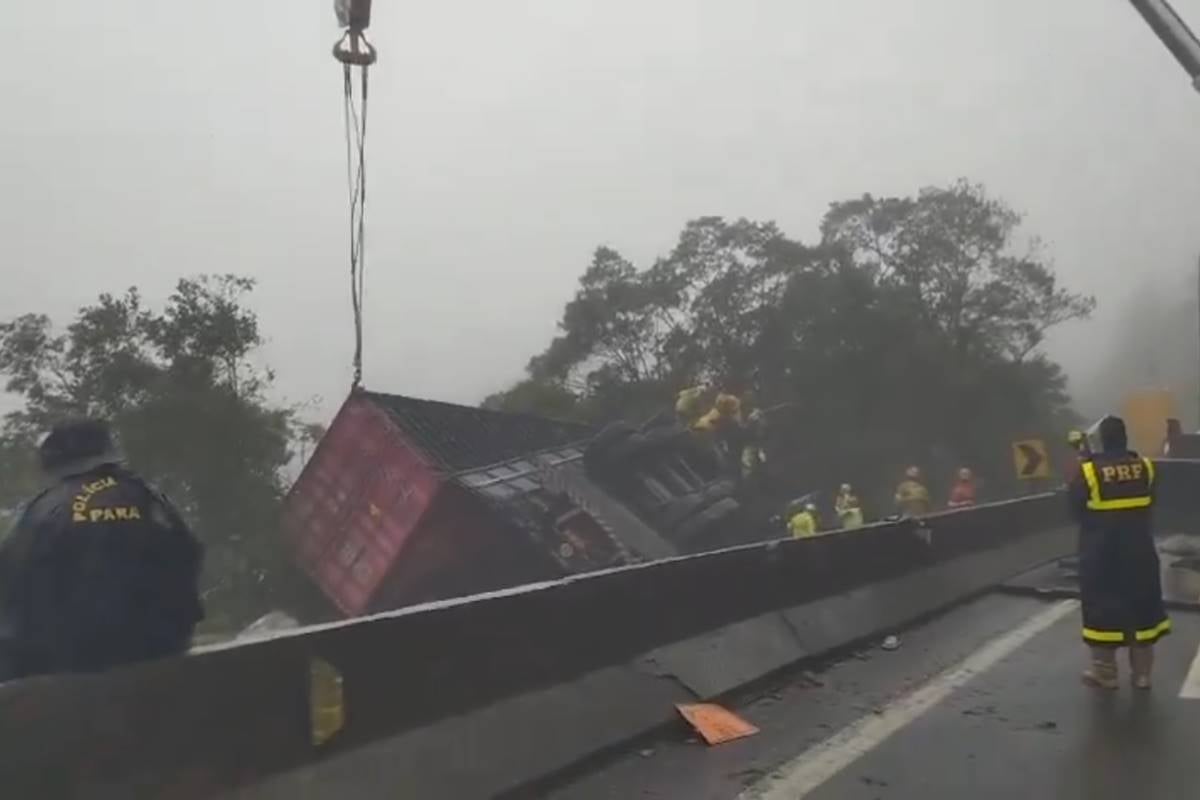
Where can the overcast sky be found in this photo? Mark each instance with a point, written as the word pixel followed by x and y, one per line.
pixel 144 141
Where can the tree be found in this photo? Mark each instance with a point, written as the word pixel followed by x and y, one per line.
pixel 974 312
pixel 949 250
pixel 187 402
pixel 548 397
pixel 306 435
pixel 629 337
pixel 19 479
pixel 908 334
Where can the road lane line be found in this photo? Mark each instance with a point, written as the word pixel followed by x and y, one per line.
pixel 819 763
pixel 1190 690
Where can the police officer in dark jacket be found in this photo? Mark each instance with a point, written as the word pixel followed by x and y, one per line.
pixel 100 569
pixel 1112 496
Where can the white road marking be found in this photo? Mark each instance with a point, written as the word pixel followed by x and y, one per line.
pixel 1190 690
pixel 819 763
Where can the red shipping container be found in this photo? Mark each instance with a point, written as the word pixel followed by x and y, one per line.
pixel 407 500
pixel 357 502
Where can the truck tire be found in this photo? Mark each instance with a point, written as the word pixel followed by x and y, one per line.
pixel 667 435
pixel 654 440
pixel 629 449
pixel 611 434
pixel 598 454
pixel 719 490
pixel 697 524
pixel 678 510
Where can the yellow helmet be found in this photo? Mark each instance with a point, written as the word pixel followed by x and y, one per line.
pixel 728 404
pixel 1075 437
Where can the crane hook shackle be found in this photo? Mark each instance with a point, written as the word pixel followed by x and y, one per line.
pixel 353 49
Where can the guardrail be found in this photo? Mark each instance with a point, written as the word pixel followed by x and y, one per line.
pixel 548 672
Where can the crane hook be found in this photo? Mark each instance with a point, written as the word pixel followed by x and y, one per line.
pixel 353 48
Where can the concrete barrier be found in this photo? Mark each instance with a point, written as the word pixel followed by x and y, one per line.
pixel 466 697
pixel 511 746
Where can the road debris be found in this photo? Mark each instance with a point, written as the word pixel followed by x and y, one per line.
pixel 716 725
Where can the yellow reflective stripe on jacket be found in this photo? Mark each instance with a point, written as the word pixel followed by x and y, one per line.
pixel 1144 635
pixel 1120 504
pixel 1096 503
pixel 1153 633
pixel 1093 635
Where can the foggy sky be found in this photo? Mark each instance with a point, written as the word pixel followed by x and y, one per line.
pixel 507 138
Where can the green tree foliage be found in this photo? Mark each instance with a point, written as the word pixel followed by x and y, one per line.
pixel 908 333
pixel 186 399
pixel 19 478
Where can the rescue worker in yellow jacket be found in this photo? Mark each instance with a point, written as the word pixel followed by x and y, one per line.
pixel 804 523
pixel 726 411
pixel 724 424
pixel 848 509
pixel 688 404
pixel 1112 496
pixel 912 498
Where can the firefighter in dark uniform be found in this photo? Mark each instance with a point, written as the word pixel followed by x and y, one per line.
pixel 1120 587
pixel 100 569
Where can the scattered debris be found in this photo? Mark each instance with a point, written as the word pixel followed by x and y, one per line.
pixel 750 775
pixel 716 725
pixel 1047 725
pixel 810 679
pixel 891 643
pixel 979 711
pixel 649 751
pixel 869 781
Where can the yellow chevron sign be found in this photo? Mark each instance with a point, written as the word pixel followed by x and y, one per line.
pixel 1030 459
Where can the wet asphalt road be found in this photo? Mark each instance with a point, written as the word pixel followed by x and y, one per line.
pixel 1024 727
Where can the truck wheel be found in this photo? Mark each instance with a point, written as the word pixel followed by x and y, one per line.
pixel 598 453
pixel 678 510
pixel 696 524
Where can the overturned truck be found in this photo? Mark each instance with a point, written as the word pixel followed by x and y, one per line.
pixel 672 478
pixel 407 500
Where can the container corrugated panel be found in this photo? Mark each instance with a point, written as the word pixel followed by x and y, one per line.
pixel 461 547
pixel 359 499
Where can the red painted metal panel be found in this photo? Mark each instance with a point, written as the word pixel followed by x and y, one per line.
pixel 461 547
pixel 357 503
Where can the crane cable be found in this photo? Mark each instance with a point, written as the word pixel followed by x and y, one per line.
pixel 356 131
pixel 355 52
